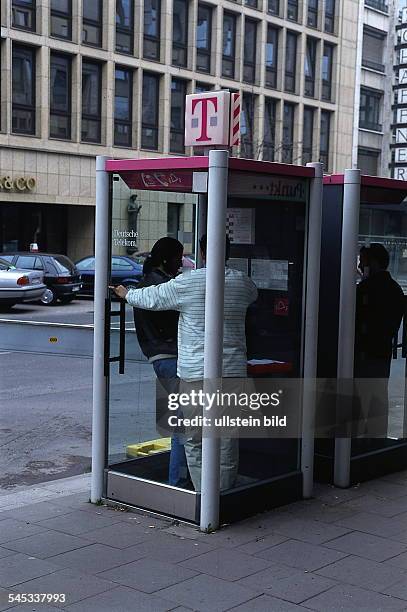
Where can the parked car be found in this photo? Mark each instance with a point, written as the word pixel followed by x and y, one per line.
pixel 188 261
pixel 18 286
pixel 61 277
pixel 124 271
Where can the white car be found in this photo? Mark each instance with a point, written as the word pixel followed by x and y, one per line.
pixel 17 286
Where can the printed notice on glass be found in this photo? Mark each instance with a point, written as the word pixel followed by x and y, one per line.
pixel 239 263
pixel 240 225
pixel 270 274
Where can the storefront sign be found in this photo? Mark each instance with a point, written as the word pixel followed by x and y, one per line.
pixel 162 181
pixel 400 152
pixel 272 187
pixel 207 119
pixel 20 183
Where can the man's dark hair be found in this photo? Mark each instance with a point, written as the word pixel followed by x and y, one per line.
pixel 203 243
pixel 379 253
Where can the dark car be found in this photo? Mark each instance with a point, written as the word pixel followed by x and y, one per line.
pixel 61 277
pixel 124 271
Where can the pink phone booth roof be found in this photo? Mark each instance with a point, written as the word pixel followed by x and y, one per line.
pixel 375 189
pixel 175 173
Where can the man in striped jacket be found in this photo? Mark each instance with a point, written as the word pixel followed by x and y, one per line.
pixel 186 294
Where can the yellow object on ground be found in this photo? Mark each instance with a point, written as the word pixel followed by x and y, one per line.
pixel 151 447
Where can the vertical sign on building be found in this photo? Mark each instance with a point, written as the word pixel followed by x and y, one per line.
pixel 400 147
pixel 212 119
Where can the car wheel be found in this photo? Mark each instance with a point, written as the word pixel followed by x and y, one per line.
pixel 66 299
pixel 48 298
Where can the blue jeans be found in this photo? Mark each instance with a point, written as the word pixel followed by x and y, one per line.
pixel 166 371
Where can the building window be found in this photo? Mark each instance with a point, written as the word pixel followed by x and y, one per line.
pixel 329 15
pixel 61 19
pixel 290 61
pixel 229 44
pixel 270 115
pixel 252 3
pixel 202 87
pixel 91 101
pixel 23 14
pixel 203 38
pixel 180 33
pixel 324 139
pixel 23 78
pixel 152 29
pixel 178 91
pixel 327 60
pixel 92 22
pixel 124 26
pixel 373 49
pixel 123 107
pixel 273 7
pixel 288 133
pixel 292 10
pixel 379 5
pixel 246 126
pixel 312 15
pixel 60 97
pixel 368 161
pixel 307 134
pixel 249 56
pixel 369 112
pixel 149 116
pixel 310 60
pixel 271 57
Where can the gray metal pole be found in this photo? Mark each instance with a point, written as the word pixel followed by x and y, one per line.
pixel 101 282
pixel 347 308
pixel 213 354
pixel 311 328
pixel 201 218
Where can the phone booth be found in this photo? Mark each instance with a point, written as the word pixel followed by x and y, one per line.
pixel 357 211
pixel 273 221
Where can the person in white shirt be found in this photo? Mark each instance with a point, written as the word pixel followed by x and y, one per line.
pixel 186 294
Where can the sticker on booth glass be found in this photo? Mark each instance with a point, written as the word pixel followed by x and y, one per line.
pixel 281 307
pixel 239 263
pixel 270 274
pixel 240 225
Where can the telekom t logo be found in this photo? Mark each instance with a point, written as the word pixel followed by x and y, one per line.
pixel 207 119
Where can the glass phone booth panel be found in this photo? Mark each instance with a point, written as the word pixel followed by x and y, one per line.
pixel 269 243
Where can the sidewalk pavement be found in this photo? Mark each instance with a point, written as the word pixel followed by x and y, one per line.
pixel 343 550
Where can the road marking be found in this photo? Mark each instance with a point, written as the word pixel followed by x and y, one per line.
pixel 6 352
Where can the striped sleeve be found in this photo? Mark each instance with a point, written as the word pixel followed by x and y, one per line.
pixel 166 296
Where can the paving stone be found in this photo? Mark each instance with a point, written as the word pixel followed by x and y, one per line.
pixel 96 558
pixel 14 530
pixel 35 608
pixel 74 585
pixel 364 573
pixel 313 532
pixel 119 535
pixel 390 490
pixel 226 564
pixel 206 593
pixel 236 535
pixel 148 575
pixel 122 599
pixel 77 522
pixel 4 600
pixel 399 589
pixel 6 552
pixel 164 546
pixel 320 511
pixel 261 543
pixel 372 523
pixel 48 544
pixel 20 568
pixel 383 506
pixel 398 561
pixel 333 495
pixel 347 597
pixel 266 603
pixel 37 512
pixel 368 546
pixel 301 555
pixel 288 583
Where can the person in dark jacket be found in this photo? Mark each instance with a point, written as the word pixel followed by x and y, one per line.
pixel 157 337
pixel 380 306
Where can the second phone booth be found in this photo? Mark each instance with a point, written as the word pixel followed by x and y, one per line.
pixel 358 211
pixel 275 243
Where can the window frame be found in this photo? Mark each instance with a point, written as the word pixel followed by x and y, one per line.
pixel 366 63
pixel 247 143
pixel 180 47
pixel 324 153
pixel 292 10
pixel 231 58
pixel 307 148
pixel 312 13
pixel 326 91
pixel 178 131
pixel 205 52
pixel 370 94
pixel 329 17
pixel 270 144
pixel 98 25
pixel 31 10
pixel 154 127
pixel 310 62
pixel 250 64
pixel 62 15
pixel 124 122
pixel 287 148
pixel 273 11
pixel 56 112
pixel 155 40
pixel 273 69
pixel 30 108
pixel 289 74
pixel 126 31
pixel 95 118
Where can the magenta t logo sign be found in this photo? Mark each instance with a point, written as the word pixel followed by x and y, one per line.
pixel 207 119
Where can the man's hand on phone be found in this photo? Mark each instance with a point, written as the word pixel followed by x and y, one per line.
pixel 120 291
